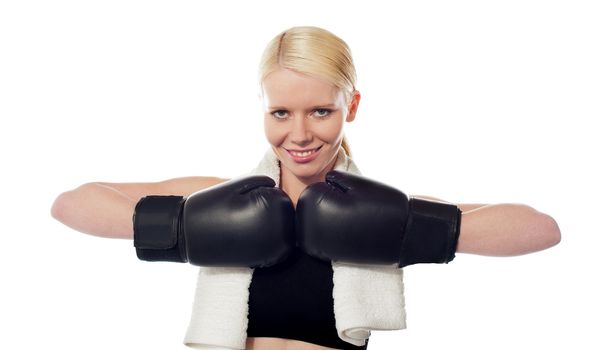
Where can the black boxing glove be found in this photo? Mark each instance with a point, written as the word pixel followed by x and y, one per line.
pixel 244 222
pixel 352 219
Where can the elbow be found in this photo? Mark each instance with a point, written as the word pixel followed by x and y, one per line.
pixel 549 232
pixel 63 207
pixel 553 231
pixel 65 203
pixel 57 208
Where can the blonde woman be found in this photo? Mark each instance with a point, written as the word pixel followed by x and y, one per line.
pixel 290 231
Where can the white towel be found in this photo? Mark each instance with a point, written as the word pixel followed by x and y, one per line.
pixel 365 297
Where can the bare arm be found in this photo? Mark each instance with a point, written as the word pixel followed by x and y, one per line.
pixel 504 229
pixel 105 209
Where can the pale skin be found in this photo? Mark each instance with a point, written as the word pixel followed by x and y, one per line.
pixel 300 113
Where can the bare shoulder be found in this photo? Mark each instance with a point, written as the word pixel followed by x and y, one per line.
pixel 182 186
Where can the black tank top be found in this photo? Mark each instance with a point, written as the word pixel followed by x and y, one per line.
pixel 294 300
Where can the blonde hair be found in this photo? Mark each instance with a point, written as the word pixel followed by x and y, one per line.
pixel 315 52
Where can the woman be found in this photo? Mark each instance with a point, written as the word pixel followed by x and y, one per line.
pixel 308 92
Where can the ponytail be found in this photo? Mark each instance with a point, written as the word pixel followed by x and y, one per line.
pixel 346 147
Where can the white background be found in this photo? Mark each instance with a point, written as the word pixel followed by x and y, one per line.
pixel 468 101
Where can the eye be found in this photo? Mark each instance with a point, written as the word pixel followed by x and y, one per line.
pixel 322 112
pixel 280 114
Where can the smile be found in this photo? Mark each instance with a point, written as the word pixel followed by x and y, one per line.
pixel 304 156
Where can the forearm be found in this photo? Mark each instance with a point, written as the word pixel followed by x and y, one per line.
pixel 97 210
pixel 506 230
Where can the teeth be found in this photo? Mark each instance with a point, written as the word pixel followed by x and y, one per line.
pixel 302 154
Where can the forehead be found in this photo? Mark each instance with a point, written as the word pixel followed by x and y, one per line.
pixel 287 87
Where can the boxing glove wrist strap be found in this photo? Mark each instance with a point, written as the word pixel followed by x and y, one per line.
pixel 431 233
pixel 157 232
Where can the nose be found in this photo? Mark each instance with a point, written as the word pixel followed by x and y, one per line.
pixel 300 131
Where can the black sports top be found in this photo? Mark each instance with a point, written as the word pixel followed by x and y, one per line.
pixel 294 300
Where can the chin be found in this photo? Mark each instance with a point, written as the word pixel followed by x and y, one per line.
pixel 305 172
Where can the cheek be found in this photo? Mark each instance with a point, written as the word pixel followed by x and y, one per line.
pixel 273 132
pixel 331 131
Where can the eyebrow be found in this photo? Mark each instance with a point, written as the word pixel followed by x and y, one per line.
pixel 328 105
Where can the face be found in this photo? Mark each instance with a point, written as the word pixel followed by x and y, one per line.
pixel 304 121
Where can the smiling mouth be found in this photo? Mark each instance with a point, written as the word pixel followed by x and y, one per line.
pixel 304 153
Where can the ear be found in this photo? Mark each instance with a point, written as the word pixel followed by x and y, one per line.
pixel 354 105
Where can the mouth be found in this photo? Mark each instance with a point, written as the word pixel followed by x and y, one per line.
pixel 303 156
